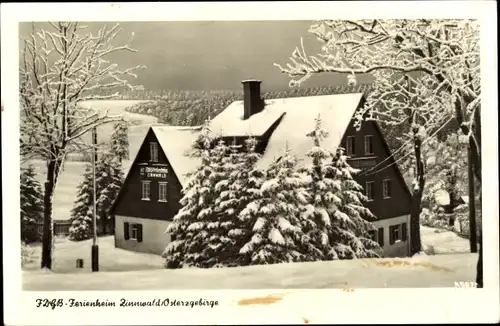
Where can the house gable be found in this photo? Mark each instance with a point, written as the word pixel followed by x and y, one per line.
pixel 129 201
pixel 376 168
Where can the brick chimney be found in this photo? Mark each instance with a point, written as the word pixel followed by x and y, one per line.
pixel 252 103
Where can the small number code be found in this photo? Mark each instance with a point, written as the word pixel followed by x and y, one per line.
pixel 465 284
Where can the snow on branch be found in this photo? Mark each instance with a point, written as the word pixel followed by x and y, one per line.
pixel 60 67
pixel 448 48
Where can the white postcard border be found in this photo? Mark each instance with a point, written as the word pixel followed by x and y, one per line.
pixel 300 306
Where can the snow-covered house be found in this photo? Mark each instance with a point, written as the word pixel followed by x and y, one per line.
pixel 150 196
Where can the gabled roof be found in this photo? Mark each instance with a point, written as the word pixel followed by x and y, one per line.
pixel 298 114
pixel 336 112
pixel 176 142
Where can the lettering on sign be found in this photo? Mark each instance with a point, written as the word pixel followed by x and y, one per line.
pixel 154 172
pixel 362 163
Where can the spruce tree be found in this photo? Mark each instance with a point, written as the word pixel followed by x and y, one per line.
pixel 323 197
pixel 119 144
pixel 109 180
pixel 31 205
pixel 81 214
pixel 277 235
pixel 351 219
pixel 238 190
pixel 209 232
pixel 196 196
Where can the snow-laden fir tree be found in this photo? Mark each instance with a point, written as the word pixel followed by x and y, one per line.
pixel 240 187
pixel 351 220
pixel 31 205
pixel 277 235
pixel 323 198
pixel 109 180
pixel 209 230
pixel 119 145
pixel 196 195
pixel 81 214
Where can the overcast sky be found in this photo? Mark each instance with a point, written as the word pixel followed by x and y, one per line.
pixel 212 55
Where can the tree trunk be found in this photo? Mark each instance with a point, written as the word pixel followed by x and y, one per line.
pixel 53 168
pixel 416 201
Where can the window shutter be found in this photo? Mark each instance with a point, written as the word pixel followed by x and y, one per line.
pixel 391 234
pixel 126 231
pixel 139 232
pixel 381 237
pixel 404 232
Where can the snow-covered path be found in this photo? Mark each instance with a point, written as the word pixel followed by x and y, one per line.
pixel 443 242
pixel 420 271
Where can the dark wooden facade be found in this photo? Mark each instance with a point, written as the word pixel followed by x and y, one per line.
pixel 130 202
pixel 399 201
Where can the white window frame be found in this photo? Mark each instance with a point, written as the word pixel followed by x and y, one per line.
pixel 368 137
pixel 160 185
pixel 350 146
pixel 373 190
pixel 143 183
pixel 153 152
pixel 134 229
pixel 386 182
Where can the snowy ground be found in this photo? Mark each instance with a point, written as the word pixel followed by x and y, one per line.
pixel 72 174
pixel 443 242
pixel 118 267
pixel 420 271
pixel 111 259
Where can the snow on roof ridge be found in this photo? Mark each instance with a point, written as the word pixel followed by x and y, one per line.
pixel 176 127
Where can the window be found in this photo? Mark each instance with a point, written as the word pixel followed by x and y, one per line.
pixel 162 191
pixel 132 231
pixel 350 145
pixel 153 152
pixel 369 189
pixel 368 145
pixel 395 234
pixel 386 188
pixel 146 190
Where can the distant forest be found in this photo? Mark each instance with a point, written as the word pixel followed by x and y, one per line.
pixel 192 108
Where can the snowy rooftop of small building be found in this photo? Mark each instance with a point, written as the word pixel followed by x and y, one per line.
pixel 177 143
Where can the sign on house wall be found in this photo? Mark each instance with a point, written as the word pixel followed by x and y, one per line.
pixel 154 172
pixel 362 163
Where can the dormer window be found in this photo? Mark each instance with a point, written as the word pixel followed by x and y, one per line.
pixel 153 152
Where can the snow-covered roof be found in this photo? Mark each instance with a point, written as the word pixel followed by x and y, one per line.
pixel 176 143
pixel 336 112
pixel 230 122
pixel 298 114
